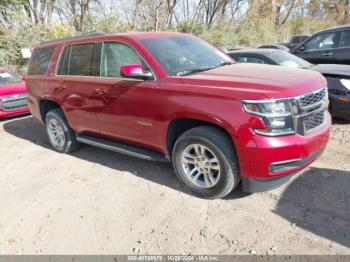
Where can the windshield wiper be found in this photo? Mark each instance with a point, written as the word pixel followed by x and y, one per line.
pixel 195 70
pixel 204 68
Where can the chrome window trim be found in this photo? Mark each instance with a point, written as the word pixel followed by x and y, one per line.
pixel 104 77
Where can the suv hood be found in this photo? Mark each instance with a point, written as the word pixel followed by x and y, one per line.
pixel 255 81
pixel 12 89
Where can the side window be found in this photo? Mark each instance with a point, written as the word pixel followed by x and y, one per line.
pixel 345 39
pixel 251 59
pixel 294 40
pixel 40 61
pixel 62 68
pixel 80 59
pixel 323 41
pixel 114 55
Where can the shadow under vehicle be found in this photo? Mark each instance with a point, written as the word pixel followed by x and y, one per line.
pixel 319 202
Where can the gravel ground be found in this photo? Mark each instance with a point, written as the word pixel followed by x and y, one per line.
pixel 98 202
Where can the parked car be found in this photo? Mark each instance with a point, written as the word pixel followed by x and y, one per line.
pixel 173 97
pixel 275 46
pixel 338 76
pixel 296 40
pixel 13 96
pixel 331 46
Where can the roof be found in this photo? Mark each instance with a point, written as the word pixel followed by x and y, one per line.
pixel 101 36
pixel 72 38
pixel 300 36
pixel 336 28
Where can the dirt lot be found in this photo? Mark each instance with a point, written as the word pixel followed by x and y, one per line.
pixel 98 202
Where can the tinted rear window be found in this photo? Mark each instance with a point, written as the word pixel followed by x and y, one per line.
pixel 63 64
pixel 40 61
pixel 80 59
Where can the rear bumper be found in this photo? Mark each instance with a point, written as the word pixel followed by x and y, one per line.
pixel 268 162
pixel 21 111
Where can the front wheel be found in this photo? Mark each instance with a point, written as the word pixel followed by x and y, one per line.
pixel 205 161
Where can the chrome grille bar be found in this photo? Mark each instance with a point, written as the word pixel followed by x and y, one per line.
pixel 13 102
pixel 310 111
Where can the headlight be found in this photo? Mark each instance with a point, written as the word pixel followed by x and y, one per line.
pixel 276 114
pixel 345 83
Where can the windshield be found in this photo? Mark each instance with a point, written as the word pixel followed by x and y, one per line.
pixel 181 54
pixel 7 78
pixel 287 59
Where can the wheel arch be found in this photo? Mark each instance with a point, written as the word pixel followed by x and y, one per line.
pixel 45 105
pixel 178 126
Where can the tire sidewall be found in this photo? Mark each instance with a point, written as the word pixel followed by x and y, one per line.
pixel 226 170
pixel 52 115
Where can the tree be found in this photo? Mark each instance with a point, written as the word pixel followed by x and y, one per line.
pixel 282 8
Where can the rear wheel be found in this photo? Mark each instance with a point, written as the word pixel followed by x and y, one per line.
pixel 60 134
pixel 205 161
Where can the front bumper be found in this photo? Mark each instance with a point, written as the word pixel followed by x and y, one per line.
pixel 268 162
pixel 340 106
pixel 254 185
pixel 21 111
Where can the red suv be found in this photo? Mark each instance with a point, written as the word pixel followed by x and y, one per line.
pixel 173 97
pixel 13 94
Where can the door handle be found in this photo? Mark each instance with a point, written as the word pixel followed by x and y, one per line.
pixel 327 53
pixel 99 91
pixel 59 87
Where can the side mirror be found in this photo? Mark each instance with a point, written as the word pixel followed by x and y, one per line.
pixel 135 71
pixel 24 78
pixel 302 47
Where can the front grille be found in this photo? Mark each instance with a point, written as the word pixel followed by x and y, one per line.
pixel 311 99
pixel 14 102
pixel 314 120
pixel 310 111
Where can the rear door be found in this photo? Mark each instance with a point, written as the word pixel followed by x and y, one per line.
pixel 75 77
pixel 342 54
pixel 126 108
pixel 321 48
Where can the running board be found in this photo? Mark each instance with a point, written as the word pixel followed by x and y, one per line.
pixel 125 149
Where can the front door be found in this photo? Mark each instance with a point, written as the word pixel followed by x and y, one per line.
pixel 320 49
pixel 126 108
pixel 342 54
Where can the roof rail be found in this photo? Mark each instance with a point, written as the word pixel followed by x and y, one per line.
pixel 72 38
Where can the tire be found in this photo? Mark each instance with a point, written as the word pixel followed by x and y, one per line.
pixel 55 122
pixel 216 148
